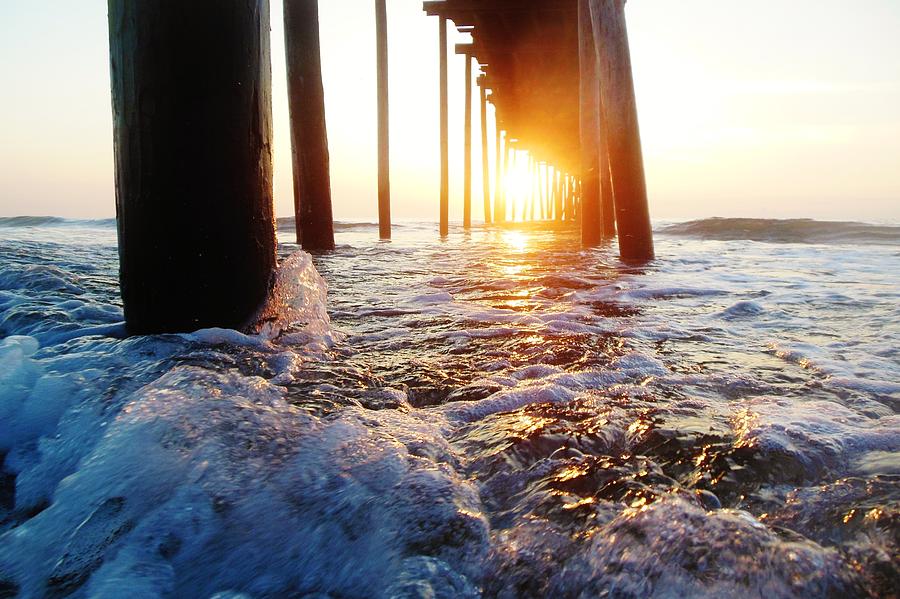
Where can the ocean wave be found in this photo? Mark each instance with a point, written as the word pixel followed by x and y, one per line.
pixel 467 418
pixel 11 222
pixel 785 231
pixel 287 223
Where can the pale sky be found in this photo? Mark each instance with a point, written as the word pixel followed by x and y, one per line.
pixel 765 108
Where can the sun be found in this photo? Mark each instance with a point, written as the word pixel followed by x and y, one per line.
pixel 519 184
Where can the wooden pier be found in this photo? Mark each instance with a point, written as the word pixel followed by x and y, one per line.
pixel 193 139
pixel 558 73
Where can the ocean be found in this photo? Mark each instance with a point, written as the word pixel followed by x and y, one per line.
pixel 498 414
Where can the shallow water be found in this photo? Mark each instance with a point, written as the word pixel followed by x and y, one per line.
pixel 500 414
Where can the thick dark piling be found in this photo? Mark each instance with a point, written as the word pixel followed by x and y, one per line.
pixel 589 121
pixel 620 109
pixel 467 145
pixel 309 136
pixel 445 131
pixel 500 188
pixel 384 145
pixel 607 197
pixel 558 198
pixel 485 165
pixel 191 98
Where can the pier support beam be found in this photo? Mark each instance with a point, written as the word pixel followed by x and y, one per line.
pixel 384 144
pixel 607 196
pixel 467 145
pixel 309 137
pixel 445 130
pixel 545 194
pixel 499 188
pixel 535 186
pixel 191 99
pixel 589 122
pixel 509 212
pixel 620 109
pixel 558 198
pixel 485 163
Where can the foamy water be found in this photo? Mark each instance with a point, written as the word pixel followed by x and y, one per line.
pixel 501 414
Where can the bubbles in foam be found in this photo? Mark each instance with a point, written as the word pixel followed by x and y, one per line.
pixel 588 427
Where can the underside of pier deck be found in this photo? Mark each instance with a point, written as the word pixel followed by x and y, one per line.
pixel 528 51
pixel 558 73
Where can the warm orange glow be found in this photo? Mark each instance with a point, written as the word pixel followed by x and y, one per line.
pixel 517 241
pixel 518 182
pixel 523 187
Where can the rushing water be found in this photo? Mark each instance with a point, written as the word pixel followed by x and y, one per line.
pixel 500 414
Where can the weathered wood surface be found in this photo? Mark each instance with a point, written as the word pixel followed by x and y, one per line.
pixel 500 187
pixel 191 100
pixel 309 136
pixel 384 144
pixel 485 162
pixel 467 148
pixel 589 120
pixel 570 198
pixel 607 197
pixel 445 128
pixel 624 140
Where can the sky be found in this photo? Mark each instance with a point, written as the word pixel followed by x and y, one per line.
pixel 770 108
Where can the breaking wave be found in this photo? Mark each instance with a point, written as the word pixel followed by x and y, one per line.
pixel 52 221
pixel 786 231
pixel 494 416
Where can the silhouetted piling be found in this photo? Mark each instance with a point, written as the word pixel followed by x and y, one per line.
pixel 511 166
pixel 191 98
pixel 607 195
pixel 589 121
pixel 445 129
pixel 545 191
pixel 500 188
pixel 467 145
pixel 384 144
pixel 309 137
pixel 485 165
pixel 535 186
pixel 620 109
pixel 558 198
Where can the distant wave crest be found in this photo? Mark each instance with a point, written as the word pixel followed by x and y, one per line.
pixel 52 221
pixel 786 231
pixel 286 223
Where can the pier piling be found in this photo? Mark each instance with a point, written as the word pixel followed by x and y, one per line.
pixel 191 100
pixel 607 197
pixel 467 143
pixel 309 136
pixel 500 190
pixel 384 145
pixel 558 198
pixel 623 134
pixel 445 129
pixel 485 163
pixel 589 125
pixel 559 77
